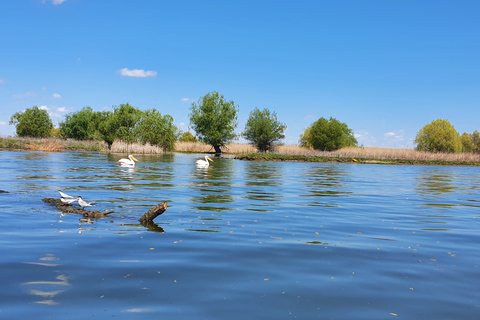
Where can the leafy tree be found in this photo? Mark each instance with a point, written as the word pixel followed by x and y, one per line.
pixel 121 124
pixel 438 136
pixel 187 137
pixel 33 122
pixel 157 129
pixel 467 143
pixel 83 125
pixel 214 120
pixel 263 129
pixel 328 135
pixel 475 141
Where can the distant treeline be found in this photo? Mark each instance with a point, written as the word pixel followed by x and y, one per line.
pixel 214 120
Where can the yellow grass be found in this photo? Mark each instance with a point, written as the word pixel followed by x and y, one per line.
pixel 201 147
pixel 119 146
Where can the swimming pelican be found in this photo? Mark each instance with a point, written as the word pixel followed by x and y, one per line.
pixel 204 163
pixel 67 201
pixel 84 203
pixel 128 162
pixel 64 195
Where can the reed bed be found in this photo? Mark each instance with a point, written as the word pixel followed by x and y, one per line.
pixel 202 147
pixel 51 144
pixel 119 146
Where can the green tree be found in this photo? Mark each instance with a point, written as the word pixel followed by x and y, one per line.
pixel 157 129
pixel 263 129
pixel 467 143
pixel 438 136
pixel 476 141
pixel 328 135
pixel 83 125
pixel 120 124
pixel 33 122
pixel 214 120
pixel 187 137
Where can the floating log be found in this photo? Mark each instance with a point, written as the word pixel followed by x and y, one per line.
pixel 71 209
pixel 3 191
pixel 154 212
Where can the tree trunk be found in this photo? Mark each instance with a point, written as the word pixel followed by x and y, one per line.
pixel 217 149
pixel 154 212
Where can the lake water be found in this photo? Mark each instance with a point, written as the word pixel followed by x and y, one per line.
pixel 239 240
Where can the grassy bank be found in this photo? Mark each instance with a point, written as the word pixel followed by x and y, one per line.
pixel 248 152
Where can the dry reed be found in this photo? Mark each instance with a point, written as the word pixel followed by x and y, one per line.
pixel 119 146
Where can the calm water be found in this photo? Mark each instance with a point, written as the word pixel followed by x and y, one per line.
pixel 240 240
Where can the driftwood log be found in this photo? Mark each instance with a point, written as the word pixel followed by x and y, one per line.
pixel 72 209
pixel 147 218
pixel 154 212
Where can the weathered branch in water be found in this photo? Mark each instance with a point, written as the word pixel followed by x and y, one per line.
pixel 145 219
pixel 154 212
pixel 71 209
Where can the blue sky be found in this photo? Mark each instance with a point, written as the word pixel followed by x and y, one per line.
pixel 385 68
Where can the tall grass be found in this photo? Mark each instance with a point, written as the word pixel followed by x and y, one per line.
pixel 119 146
pixel 51 144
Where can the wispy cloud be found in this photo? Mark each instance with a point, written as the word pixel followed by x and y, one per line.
pixel 24 95
pixel 2 123
pixel 62 109
pixel 138 73
pixel 3 80
pixel 56 96
pixel 364 138
pixel 394 136
pixel 55 2
pixel 43 108
pixel 186 99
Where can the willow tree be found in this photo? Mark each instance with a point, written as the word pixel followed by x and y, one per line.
pixel 32 122
pixel 328 135
pixel 157 129
pixel 438 136
pixel 214 120
pixel 263 129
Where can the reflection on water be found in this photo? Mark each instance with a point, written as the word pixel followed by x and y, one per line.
pixel 323 183
pixel 435 183
pixel 263 181
pixel 212 186
pixel 42 288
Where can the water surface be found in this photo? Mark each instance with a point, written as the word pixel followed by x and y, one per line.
pixel 239 240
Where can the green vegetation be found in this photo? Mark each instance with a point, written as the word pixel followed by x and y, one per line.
pixel 328 135
pixel 439 136
pixel 214 120
pixel 187 137
pixel 263 129
pixel 125 123
pixel 33 122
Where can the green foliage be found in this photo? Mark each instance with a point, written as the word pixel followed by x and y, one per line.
pixel 214 120
pixel 121 123
pixel 438 136
pixel 33 122
pixel 157 129
pixel 467 143
pixel 187 137
pixel 475 136
pixel 263 129
pixel 85 124
pixel 56 133
pixel 328 135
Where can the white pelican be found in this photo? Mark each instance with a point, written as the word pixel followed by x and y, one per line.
pixel 84 203
pixel 64 195
pixel 67 201
pixel 204 163
pixel 130 162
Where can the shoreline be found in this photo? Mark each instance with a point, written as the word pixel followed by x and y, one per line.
pixel 360 155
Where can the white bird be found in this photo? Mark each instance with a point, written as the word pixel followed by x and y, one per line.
pixel 67 201
pixel 64 195
pixel 204 163
pixel 130 162
pixel 84 203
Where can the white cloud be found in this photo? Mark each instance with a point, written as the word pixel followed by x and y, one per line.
pixel 3 80
pixel 186 99
pixel 309 117
pixel 43 108
pixel 55 2
pixel 364 138
pixel 394 136
pixel 62 109
pixel 57 96
pixel 138 73
pixel 2 123
pixel 25 95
